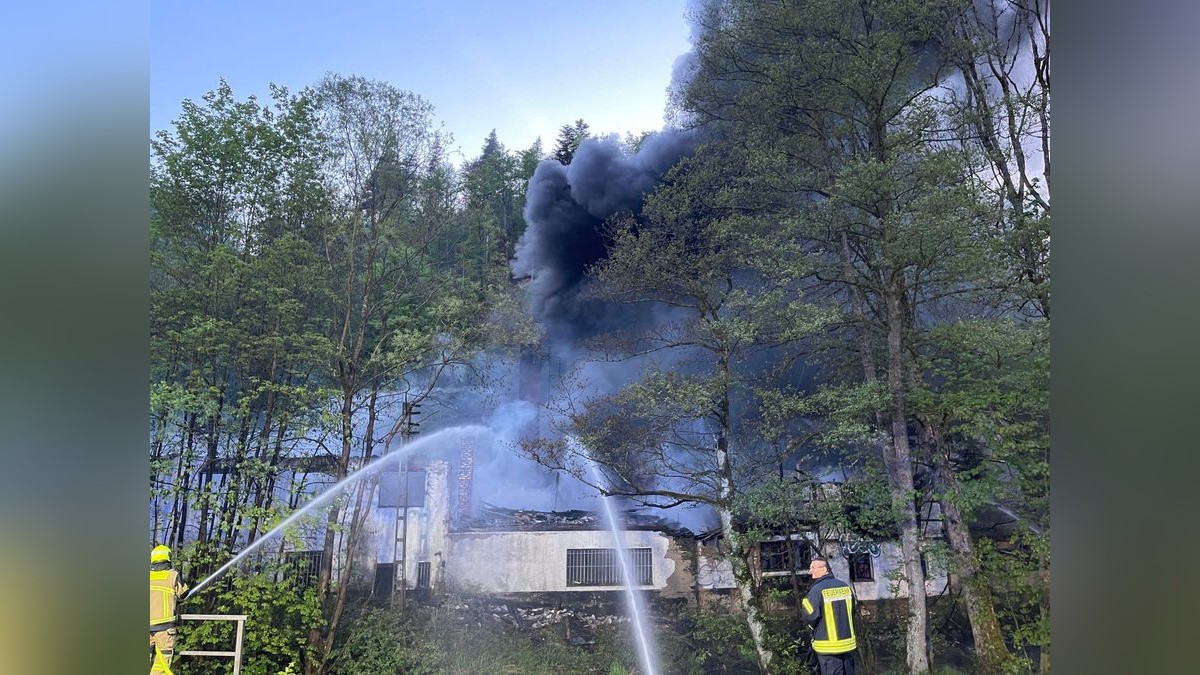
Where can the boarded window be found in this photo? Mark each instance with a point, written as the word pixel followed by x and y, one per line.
pixel 602 567
pixel 390 495
pixel 860 567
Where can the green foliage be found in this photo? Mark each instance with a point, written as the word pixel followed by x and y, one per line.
pixel 989 385
pixel 1017 575
pixel 778 504
pixel 279 616
pixel 236 288
pixel 720 642
pixel 863 506
pixel 473 641
pixel 379 641
pixel 569 138
pixel 494 185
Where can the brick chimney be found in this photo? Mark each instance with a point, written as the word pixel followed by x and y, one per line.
pixel 466 479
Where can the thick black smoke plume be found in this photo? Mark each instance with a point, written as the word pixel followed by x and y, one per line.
pixel 566 207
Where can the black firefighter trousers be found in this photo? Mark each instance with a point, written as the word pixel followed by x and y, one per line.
pixel 836 664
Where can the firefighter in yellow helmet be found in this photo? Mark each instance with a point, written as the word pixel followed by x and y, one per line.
pixel 166 587
pixel 829 609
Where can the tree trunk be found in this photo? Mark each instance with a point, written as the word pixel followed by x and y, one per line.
pixel 314 665
pixel 899 466
pixel 746 590
pixel 183 487
pixel 738 552
pixel 896 456
pixel 358 517
pixel 990 649
pixel 334 615
pixel 1044 652
pixel 204 497
pixel 985 628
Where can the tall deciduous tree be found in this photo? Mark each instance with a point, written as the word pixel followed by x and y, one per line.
pixel 380 141
pixel 1001 53
pixel 1000 94
pixel 398 322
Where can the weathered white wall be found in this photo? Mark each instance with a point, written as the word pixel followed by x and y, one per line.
pixel 426 532
pixel 536 562
pixel 887 568
pixel 715 572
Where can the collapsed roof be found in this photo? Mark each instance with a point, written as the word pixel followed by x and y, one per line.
pixel 496 518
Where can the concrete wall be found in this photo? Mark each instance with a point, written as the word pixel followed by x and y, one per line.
pixel 681 584
pixel 536 562
pixel 887 569
pixel 715 573
pixel 427 529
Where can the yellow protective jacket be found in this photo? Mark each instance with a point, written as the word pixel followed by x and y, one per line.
pixel 829 609
pixel 165 588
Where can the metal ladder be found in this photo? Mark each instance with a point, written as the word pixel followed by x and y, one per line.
pixel 400 545
pixel 238 635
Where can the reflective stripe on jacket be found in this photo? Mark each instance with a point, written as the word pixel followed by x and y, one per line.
pixel 165 588
pixel 829 608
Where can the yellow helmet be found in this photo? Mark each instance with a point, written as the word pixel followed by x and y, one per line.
pixel 160 553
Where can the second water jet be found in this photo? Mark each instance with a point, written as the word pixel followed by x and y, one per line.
pixel 634 601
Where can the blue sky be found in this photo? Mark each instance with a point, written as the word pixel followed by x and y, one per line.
pixel 523 67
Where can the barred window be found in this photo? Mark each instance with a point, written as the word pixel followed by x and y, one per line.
pixel 601 567
pixel 306 565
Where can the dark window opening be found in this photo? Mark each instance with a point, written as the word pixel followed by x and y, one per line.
pixel 602 567
pixel 423 569
pixel 860 567
pixel 385 576
pixel 784 555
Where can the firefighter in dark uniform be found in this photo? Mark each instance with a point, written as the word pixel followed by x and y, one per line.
pixel 166 585
pixel 829 609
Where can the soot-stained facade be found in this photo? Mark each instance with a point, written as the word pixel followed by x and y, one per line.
pixel 506 552
pixel 514 552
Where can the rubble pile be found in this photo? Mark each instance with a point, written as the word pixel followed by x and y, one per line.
pixel 538 617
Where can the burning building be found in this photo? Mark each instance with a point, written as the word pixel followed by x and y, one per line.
pixel 515 553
